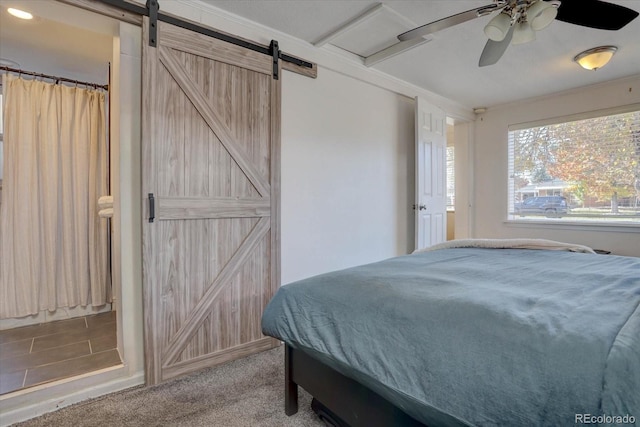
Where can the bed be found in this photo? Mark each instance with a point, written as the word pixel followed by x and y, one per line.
pixel 473 332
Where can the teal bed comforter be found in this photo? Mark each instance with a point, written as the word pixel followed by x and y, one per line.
pixel 486 337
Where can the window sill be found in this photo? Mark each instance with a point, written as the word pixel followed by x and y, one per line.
pixel 574 225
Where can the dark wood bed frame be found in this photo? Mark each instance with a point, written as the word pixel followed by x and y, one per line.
pixel 339 400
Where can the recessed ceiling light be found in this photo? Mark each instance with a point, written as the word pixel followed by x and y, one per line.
pixel 19 13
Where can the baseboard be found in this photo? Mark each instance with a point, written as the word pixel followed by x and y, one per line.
pixel 32 402
pixel 61 313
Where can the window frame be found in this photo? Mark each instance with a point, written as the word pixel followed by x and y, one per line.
pixel 512 220
pixel 450 166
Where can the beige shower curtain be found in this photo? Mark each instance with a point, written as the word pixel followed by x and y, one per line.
pixel 53 244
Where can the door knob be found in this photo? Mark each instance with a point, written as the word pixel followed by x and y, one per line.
pixel 422 207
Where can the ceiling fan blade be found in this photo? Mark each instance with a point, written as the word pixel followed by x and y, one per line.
pixel 493 50
pixel 449 21
pixel 595 14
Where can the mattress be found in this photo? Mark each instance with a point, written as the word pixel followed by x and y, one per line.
pixel 479 336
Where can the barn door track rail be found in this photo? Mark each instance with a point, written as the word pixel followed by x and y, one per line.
pixel 152 10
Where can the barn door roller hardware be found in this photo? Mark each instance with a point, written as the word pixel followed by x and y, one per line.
pixel 152 10
pixel 152 7
pixel 275 54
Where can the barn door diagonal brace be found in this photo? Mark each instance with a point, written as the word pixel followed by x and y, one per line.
pixel 275 54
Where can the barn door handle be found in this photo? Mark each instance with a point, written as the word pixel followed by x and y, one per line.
pixel 152 208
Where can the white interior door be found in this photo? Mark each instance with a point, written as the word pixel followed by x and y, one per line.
pixel 431 174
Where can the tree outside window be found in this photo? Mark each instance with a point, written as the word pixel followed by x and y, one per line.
pixel 593 163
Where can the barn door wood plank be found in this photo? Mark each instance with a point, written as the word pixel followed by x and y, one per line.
pixel 199 44
pixel 201 311
pixel 213 120
pixel 211 207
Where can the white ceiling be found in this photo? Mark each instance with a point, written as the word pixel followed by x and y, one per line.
pixel 61 40
pixel 448 63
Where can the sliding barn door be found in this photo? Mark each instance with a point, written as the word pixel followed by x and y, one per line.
pixel 211 170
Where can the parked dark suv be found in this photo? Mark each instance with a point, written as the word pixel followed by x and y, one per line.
pixel 550 206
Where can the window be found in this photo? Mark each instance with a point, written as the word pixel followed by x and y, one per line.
pixel 585 170
pixel 451 179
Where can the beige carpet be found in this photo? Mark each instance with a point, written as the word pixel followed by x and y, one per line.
pixel 247 392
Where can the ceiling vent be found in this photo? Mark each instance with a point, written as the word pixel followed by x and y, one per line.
pixel 373 35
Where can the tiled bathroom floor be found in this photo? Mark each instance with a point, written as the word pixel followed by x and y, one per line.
pixel 32 355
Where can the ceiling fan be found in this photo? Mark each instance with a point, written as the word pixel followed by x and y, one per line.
pixel 517 21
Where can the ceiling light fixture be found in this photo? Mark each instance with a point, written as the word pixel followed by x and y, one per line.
pixel 523 33
pixel 527 17
pixel 597 57
pixel 498 27
pixel 541 14
pixel 19 13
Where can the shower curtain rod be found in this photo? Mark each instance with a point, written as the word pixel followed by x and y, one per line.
pixel 56 78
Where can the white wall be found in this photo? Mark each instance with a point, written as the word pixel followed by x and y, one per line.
pixel 490 163
pixel 347 173
pixel 463 142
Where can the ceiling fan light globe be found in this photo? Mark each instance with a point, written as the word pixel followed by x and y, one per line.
pixel 541 14
pixel 523 33
pixel 498 27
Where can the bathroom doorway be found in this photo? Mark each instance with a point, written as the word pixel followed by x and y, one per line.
pixel 73 337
